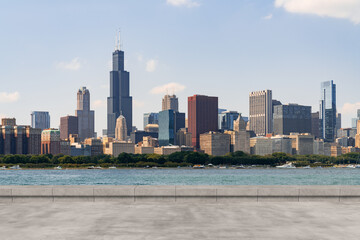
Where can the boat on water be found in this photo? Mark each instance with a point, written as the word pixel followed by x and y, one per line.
pixel 17 167
pixel 223 167
pixel 357 166
pixel 113 167
pixel 240 167
pixel 58 168
pixel 350 166
pixel 307 167
pixel 97 167
pixel 91 167
pixel 286 166
pixel 3 168
pixel 198 166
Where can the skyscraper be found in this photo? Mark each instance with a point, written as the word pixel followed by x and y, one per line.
pixel 86 122
pixel 40 120
pixel 151 118
pixel 261 116
pixel 68 125
pixel 226 120
pixel 119 100
pixel 292 118
pixel 202 116
pixel 327 115
pixel 170 102
pixel 121 129
pixel 170 122
pixel 338 122
pixel 315 124
pixel 239 124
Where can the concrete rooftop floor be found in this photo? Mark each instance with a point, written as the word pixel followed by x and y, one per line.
pixel 323 220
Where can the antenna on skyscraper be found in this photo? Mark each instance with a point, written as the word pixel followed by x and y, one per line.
pixel 116 42
pixel 119 40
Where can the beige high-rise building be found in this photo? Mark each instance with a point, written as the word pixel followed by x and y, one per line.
pixel 121 129
pixel 170 102
pixel 85 116
pixel 239 124
pixel 357 137
pixel 260 110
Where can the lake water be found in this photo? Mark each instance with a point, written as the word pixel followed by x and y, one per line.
pixel 324 176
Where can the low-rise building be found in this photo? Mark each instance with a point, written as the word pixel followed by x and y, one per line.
pixel 116 148
pixel 240 141
pixel 50 141
pixel 167 150
pixel 144 150
pixel 65 147
pixel 215 143
pixel 282 144
pixel 336 150
pixel 96 146
pixel 78 149
pixel 303 144
pixel 137 136
pixel 261 146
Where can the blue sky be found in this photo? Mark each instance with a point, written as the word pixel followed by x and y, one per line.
pixel 49 49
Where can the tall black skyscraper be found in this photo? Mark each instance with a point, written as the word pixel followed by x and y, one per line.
pixel 120 100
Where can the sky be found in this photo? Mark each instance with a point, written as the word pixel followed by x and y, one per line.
pixel 50 49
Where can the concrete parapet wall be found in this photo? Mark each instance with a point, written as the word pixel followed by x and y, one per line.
pixel 179 194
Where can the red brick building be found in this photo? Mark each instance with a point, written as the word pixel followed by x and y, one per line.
pixel 202 116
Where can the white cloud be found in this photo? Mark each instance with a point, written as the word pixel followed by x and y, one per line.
pixel 99 103
pixel 170 87
pixel 140 58
pixel 151 65
pixel 73 65
pixel 350 108
pixel 9 97
pixel 268 17
pixel 345 9
pixel 138 104
pixel 183 3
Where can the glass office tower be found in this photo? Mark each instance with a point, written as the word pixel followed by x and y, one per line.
pixel 40 120
pixel 327 116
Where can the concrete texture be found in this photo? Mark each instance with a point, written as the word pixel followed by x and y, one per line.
pixel 253 220
pixel 180 194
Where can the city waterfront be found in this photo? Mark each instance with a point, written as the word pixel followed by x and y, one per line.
pixel 271 176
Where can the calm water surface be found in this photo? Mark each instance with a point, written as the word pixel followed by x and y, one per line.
pixel 325 176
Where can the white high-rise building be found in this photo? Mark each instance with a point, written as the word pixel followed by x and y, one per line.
pixel 260 110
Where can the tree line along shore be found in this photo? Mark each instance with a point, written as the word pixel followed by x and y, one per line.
pixel 182 159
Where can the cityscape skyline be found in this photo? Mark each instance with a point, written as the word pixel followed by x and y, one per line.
pixel 156 68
